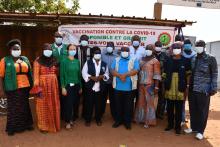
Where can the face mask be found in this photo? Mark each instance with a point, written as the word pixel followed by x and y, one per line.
pixel 176 51
pixel 58 40
pixel 124 54
pixel 16 53
pixel 47 53
pixel 158 49
pixel 136 43
pixel 97 56
pixel 199 50
pixel 109 49
pixel 187 47
pixel 148 52
pixel 72 53
pixel 84 43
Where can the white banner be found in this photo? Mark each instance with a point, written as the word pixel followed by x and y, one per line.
pixel 100 34
pixel 211 4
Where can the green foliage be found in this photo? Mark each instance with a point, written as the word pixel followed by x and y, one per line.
pixel 40 6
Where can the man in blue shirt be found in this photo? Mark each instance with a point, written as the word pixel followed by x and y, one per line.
pixel 108 56
pixel 124 71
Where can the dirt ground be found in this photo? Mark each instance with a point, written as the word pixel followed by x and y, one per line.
pixel 106 136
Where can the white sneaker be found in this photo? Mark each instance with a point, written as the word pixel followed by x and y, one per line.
pixel 68 126
pixel 199 136
pixel 188 131
pixel 146 126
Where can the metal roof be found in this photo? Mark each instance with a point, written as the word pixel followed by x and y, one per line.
pixel 58 19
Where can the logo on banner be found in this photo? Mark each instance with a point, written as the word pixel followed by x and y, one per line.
pixel 165 38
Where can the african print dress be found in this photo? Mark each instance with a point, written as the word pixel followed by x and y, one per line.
pixel 48 103
pixel 146 107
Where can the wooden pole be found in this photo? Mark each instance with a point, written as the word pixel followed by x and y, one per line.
pixel 157 10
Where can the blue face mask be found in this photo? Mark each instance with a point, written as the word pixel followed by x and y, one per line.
pixel 72 52
pixel 187 47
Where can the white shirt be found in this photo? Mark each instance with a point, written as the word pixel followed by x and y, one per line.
pixel 137 54
pixel 59 47
pixel 86 76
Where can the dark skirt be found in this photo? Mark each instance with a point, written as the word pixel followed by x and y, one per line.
pixel 19 116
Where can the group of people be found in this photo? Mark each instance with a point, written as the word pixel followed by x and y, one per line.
pixel 141 83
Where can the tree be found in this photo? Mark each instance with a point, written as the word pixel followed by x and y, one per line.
pixel 39 6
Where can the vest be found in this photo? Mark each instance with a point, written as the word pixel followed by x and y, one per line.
pixel 134 78
pixel 10 79
pixel 92 71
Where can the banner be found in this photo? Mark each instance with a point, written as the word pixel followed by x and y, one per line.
pixel 100 34
pixel 211 4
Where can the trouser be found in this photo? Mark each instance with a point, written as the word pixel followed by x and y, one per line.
pixel 124 106
pixel 184 112
pixel 62 98
pixel 93 100
pixel 199 110
pixel 161 102
pixel 109 92
pixel 174 113
pixel 70 102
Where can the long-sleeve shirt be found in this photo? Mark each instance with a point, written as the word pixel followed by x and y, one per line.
pixel 108 59
pixel 86 76
pixel 205 74
pixel 70 72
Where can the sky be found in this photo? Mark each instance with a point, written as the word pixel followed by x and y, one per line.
pixel 206 28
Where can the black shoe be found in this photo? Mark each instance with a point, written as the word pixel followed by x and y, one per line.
pixel 99 123
pixel 168 128
pixel 178 132
pixel 11 133
pixel 128 126
pixel 30 128
pixel 87 124
pixel 116 124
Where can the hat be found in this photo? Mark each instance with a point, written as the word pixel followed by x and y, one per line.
pixel 13 42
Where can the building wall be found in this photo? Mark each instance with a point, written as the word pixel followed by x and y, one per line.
pixel 214 49
pixel 32 39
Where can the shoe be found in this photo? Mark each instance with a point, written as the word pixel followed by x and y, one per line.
pixel 71 123
pixel 128 126
pixel 199 136
pixel 11 133
pixel 183 123
pixel 43 132
pixel 68 126
pixel 30 128
pixel 178 132
pixel 168 128
pixel 99 123
pixel 116 124
pixel 188 131
pixel 87 124
pixel 146 126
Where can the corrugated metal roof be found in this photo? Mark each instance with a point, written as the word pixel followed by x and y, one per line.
pixel 89 19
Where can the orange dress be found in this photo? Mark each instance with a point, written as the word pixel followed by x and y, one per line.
pixel 48 105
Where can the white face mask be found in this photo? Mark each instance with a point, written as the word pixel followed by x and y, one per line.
pixel 136 43
pixel 148 52
pixel 177 51
pixel 48 53
pixel 97 56
pixel 58 40
pixel 72 53
pixel 16 53
pixel 158 49
pixel 109 49
pixel 199 50
pixel 124 54
pixel 84 43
